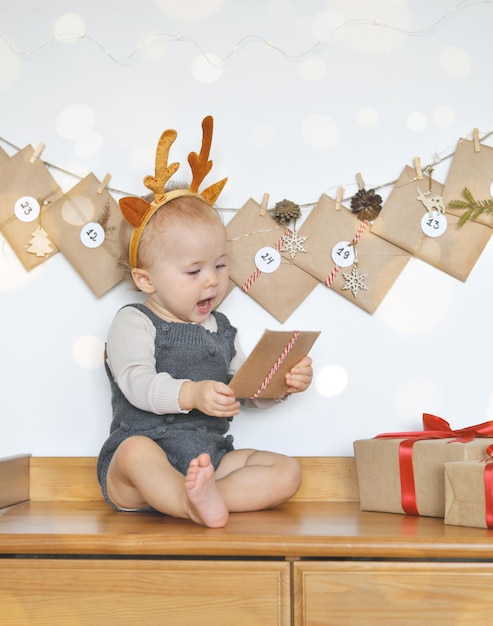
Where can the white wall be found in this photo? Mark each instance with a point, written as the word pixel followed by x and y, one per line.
pixel 132 69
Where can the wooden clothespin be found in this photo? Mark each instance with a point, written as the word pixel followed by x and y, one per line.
pixel 475 137
pixel 430 179
pixel 340 195
pixel 37 152
pixel 104 182
pixel 360 181
pixel 263 206
pixel 417 166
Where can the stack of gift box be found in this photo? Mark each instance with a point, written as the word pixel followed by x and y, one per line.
pixel 436 472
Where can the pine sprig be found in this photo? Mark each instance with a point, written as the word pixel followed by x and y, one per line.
pixel 472 208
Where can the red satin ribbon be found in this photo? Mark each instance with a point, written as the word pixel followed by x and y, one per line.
pixel 488 488
pixel 433 428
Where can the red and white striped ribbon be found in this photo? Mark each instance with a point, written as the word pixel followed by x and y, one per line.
pixel 330 278
pixel 277 364
pixel 256 273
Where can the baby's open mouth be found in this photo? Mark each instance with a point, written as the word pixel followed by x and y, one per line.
pixel 204 306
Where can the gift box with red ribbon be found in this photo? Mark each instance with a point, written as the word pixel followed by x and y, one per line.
pixel 404 472
pixel 469 492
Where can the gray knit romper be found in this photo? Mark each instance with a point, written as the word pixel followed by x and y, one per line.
pixel 183 351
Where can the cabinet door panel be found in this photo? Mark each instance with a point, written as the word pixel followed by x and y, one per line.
pixel 405 593
pixel 90 592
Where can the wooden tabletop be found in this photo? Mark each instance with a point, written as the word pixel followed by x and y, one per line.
pixel 292 530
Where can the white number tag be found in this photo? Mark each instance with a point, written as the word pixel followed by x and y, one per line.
pixel 267 260
pixel 92 235
pixel 27 209
pixel 434 225
pixel 343 254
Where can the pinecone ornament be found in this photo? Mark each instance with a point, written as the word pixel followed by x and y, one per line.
pixel 366 204
pixel 285 211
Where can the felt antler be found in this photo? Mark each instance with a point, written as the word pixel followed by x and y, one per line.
pixel 138 211
pixel 163 171
pixel 201 165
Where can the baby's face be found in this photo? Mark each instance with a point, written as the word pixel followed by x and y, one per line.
pixel 189 273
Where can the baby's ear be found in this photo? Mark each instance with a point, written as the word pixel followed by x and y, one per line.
pixel 142 280
pixel 134 210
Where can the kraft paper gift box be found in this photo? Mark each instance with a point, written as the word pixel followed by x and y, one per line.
pixel 404 472
pixel 378 262
pixel 469 493
pixel 454 252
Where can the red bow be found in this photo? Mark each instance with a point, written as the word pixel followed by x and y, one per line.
pixel 433 428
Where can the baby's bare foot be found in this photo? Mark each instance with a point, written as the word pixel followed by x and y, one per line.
pixel 207 505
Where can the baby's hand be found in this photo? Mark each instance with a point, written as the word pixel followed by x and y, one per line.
pixel 209 396
pixel 300 376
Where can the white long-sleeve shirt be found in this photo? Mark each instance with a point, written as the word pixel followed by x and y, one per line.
pixel 130 357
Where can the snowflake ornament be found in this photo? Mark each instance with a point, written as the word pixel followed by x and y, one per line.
pixel 355 281
pixel 292 243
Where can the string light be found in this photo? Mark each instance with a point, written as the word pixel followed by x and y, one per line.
pixel 169 37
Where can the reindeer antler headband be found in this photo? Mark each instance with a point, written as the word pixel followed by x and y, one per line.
pixel 138 211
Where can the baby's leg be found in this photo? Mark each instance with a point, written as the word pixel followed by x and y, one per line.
pixel 251 480
pixel 140 475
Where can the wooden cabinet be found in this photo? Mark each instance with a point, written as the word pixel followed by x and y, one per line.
pixel 368 593
pixel 93 592
pixel 68 559
pixel 125 592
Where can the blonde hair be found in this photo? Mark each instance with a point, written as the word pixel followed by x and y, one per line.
pixel 188 210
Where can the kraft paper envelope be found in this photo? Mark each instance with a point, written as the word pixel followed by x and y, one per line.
pixel 378 261
pixel 455 252
pixel 20 178
pixel 79 210
pixel 279 292
pixel 473 170
pixel 263 373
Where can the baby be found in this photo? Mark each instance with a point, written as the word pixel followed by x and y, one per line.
pixel 169 361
